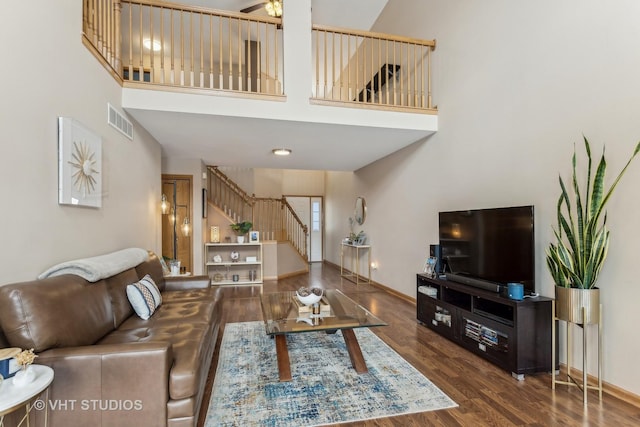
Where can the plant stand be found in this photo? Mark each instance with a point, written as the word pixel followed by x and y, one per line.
pixel 571 381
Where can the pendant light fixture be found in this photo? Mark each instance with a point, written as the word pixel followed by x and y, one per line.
pixel 165 205
pixel 186 227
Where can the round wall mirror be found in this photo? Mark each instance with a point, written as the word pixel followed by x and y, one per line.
pixel 360 212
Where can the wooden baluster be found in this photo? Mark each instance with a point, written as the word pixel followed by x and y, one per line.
pixel 239 55
pixel 248 55
pixel 395 78
pixel 333 64
pixel 202 50
pixel 388 84
pixel 259 59
pixel 415 77
pixel 152 52
pixel 162 48
pixel 192 76
pixel 140 49
pixel 267 56
pixel 130 65
pixel 181 48
pixel 220 70
pixel 172 76
pixel 340 86
pixel 230 56
pixel 422 76
pixel 277 48
pixel 211 51
pixel 429 102
pixel 349 96
pixel 325 77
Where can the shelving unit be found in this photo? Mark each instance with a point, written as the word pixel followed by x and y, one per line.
pixel 221 273
pixel 514 335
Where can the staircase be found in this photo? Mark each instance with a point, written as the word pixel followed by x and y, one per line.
pixel 274 218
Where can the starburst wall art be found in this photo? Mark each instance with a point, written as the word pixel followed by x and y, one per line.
pixel 79 165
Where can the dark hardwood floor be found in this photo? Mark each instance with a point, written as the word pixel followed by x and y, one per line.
pixel 486 395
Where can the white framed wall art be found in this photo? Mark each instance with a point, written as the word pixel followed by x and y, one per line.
pixel 79 165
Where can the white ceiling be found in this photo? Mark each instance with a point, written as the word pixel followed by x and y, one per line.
pixel 244 142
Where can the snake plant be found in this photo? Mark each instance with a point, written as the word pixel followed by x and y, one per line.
pixel 582 238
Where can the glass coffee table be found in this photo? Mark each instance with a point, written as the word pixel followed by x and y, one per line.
pixel 284 315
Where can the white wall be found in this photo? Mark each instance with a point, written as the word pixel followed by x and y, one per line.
pixel 47 73
pixel 517 83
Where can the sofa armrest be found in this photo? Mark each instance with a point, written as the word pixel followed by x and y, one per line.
pixel 186 282
pixel 111 384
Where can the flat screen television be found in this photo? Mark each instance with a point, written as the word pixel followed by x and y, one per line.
pixel 489 248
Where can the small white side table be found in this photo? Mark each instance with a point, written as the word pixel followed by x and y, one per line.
pixel 13 398
pixel 354 273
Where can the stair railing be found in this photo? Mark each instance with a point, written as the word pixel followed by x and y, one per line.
pixel 274 218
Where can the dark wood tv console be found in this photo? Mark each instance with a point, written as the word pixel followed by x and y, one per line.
pixel 514 335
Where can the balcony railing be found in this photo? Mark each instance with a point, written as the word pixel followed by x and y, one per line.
pixel 185 46
pixel 179 47
pixel 360 67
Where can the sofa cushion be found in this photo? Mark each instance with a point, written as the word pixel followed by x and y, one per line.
pixel 189 342
pixel 177 311
pixel 153 268
pixel 117 287
pixel 144 297
pixel 62 311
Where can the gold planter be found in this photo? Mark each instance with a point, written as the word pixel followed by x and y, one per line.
pixel 571 301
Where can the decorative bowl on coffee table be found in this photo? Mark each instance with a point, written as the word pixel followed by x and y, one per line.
pixel 309 296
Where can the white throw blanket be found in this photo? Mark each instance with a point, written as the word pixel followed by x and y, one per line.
pixel 99 267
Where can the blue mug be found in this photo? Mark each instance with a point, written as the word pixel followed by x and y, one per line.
pixel 516 291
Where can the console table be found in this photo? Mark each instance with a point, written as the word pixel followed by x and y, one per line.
pixel 354 273
pixel 13 398
pixel 514 335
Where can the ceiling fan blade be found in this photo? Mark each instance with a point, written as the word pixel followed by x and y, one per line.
pixel 253 8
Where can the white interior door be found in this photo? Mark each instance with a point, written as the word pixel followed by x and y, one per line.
pixel 309 210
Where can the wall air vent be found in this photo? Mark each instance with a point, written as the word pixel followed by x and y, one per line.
pixel 116 119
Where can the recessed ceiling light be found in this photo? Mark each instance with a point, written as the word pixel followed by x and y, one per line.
pixel 281 151
pixel 156 44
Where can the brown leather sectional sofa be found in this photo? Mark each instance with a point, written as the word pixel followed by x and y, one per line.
pixel 111 367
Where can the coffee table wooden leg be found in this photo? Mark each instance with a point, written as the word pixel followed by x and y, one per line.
pixel 284 366
pixel 355 354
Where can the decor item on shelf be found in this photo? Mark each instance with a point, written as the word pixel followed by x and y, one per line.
pixel 215 234
pixel 582 240
pixel 174 267
pixel 25 375
pixel 254 237
pixel 235 256
pixel 241 228
pixel 358 239
pixel 217 258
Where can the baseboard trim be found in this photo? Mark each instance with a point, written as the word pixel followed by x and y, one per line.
pixel 293 273
pixel 607 388
pixel 373 283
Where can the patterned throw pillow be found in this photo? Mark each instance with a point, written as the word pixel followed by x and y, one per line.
pixel 144 297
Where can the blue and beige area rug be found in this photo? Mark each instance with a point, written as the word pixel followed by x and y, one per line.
pixel 325 388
